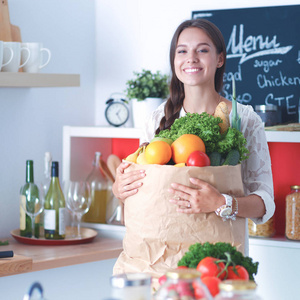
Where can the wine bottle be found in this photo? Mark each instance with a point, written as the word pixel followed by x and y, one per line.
pixel 99 193
pixel 47 171
pixel 46 181
pixel 54 208
pixel 28 193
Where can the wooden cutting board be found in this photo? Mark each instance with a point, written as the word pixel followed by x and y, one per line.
pixel 288 127
pixel 15 265
pixel 8 32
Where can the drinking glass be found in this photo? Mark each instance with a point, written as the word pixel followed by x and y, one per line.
pixel 34 204
pixel 78 200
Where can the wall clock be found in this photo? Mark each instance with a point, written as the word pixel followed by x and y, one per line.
pixel 117 112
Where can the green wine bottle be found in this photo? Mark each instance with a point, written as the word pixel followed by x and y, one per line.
pixel 28 193
pixel 54 208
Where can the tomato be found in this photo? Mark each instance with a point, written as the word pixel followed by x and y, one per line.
pixel 198 291
pixel 212 284
pixel 162 279
pixel 182 267
pixel 237 272
pixel 198 159
pixel 209 266
pixel 183 146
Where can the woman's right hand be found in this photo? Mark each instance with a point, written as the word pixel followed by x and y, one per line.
pixel 127 184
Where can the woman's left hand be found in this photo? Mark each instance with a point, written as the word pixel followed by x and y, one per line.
pixel 204 198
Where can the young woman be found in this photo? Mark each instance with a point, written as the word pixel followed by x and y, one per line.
pixel 197 58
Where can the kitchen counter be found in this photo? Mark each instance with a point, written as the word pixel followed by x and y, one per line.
pixel 29 258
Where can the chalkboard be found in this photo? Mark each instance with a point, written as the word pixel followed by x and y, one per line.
pixel 263 55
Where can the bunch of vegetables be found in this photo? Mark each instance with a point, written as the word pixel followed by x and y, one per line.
pixel 216 262
pixel 196 140
pixel 218 145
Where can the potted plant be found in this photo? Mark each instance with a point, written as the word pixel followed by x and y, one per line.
pixel 146 90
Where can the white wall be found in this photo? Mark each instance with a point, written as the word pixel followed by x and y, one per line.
pixel 134 34
pixel 31 119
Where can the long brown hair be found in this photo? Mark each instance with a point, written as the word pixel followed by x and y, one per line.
pixel 175 101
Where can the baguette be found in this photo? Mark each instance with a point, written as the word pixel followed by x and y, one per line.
pixel 223 113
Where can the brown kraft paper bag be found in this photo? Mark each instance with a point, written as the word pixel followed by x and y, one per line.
pixel 157 236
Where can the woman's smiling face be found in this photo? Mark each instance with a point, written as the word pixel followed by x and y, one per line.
pixel 196 58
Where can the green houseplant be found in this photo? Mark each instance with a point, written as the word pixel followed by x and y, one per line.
pixel 147 84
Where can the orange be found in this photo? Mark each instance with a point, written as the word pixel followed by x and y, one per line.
pixel 184 146
pixel 158 152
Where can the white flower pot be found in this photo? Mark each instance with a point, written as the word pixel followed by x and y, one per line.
pixel 141 110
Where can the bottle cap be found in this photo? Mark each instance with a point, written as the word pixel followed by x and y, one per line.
pixel 54 169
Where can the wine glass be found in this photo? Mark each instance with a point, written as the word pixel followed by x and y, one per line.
pixel 32 202
pixel 78 200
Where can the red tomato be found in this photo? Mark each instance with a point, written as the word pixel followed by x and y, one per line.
pixel 198 291
pixel 212 284
pixel 237 272
pixel 182 267
pixel 162 279
pixel 198 159
pixel 209 266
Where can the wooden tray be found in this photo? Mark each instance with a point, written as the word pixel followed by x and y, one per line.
pixel 87 236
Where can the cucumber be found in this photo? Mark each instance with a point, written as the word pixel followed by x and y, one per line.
pixel 232 158
pixel 215 159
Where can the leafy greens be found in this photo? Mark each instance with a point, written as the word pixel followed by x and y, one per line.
pixel 207 128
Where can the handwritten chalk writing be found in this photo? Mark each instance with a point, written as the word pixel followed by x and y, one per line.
pixel 243 98
pixel 280 101
pixel 298 59
pixel 264 82
pixel 237 75
pixel 266 64
pixel 260 45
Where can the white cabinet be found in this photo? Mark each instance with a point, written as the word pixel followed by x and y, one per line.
pixel 80 143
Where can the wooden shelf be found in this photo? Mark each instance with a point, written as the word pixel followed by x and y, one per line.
pixel 20 79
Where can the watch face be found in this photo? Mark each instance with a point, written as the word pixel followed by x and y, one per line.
pixel 225 212
pixel 117 113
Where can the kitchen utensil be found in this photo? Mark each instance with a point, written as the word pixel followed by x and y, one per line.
pixel 113 161
pixel 5 254
pixel 8 32
pixel 106 170
pixel 33 287
pixel 270 114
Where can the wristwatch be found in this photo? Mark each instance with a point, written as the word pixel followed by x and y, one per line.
pixel 225 211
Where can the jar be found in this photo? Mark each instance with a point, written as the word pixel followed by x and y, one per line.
pixel 183 284
pixel 292 214
pixel 131 286
pixel 270 114
pixel 237 290
pixel 262 230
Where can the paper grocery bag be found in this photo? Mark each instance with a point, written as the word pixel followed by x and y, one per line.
pixel 157 236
